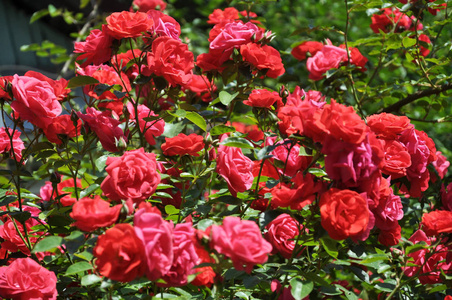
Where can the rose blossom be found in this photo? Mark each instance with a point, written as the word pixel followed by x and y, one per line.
pixel 263 98
pixel 427 265
pixel 436 222
pixel 47 192
pixel 157 236
pixel 232 35
pixel 344 213
pixel 119 254
pixel 91 214
pixel 146 5
pixel 265 58
pixel 35 100
pixel 311 47
pixel 128 24
pixel 170 59
pixel 105 127
pixel 96 49
pixel 185 256
pixel 62 127
pixel 228 15
pixel 150 129
pixel 183 144
pixel 164 25
pixel 25 279
pixel 242 241
pixel 282 233
pixel 326 59
pixel 235 168
pixel 5 143
pixel 133 176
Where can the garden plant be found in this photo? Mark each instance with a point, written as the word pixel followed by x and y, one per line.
pixel 259 150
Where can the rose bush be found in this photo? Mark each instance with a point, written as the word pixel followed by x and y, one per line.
pixel 246 155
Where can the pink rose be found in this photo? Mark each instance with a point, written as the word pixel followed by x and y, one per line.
pixel 157 236
pixel 242 241
pixel 5 143
pixel 133 176
pixel 328 58
pixel 235 168
pixel 35 100
pixel 105 127
pixel 25 279
pixel 232 35
pixel 282 233
pixel 150 129
pixel 185 256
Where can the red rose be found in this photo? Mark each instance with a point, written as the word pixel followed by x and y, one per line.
pixel 4 81
pixel 397 159
pixel 390 17
pixel 229 14
pixel 242 241
pixel 62 126
pixel 390 237
pixel 343 123
pixel 282 233
pixel 5 143
pixel 344 213
pixel 388 126
pixel 35 100
pixel 91 214
pixel 157 236
pixel 120 254
pixel 205 275
pixel 263 58
pixel 12 240
pixel 170 59
pixel 311 47
pixel 235 168
pixel 330 57
pixel 105 127
pixel 436 222
pixel 146 5
pixel 65 198
pixel 427 264
pixel 356 58
pixel 128 24
pixel 132 176
pixel 25 279
pixel 263 98
pixel 96 49
pixel 183 144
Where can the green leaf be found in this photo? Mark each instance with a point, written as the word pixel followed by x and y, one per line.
pixel 408 42
pixel 81 81
pixel 101 162
pixel 226 98
pixel 52 10
pixel 221 129
pixel 83 3
pixel 171 210
pixel 197 120
pixel 90 279
pixel 237 142
pixel 373 258
pixel 48 243
pixel 38 15
pixel 300 289
pixel 89 190
pixel 438 288
pixel 415 247
pixel 330 246
pixel 20 216
pixel 78 267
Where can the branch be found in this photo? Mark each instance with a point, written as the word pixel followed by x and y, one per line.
pixel 413 97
